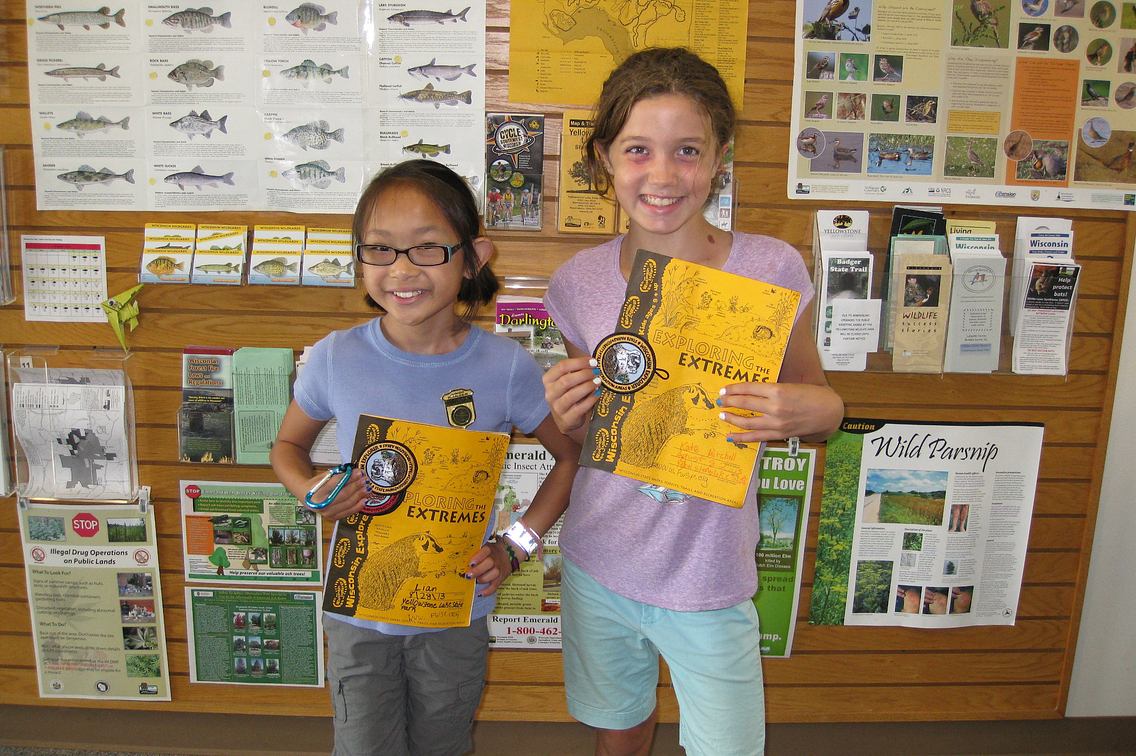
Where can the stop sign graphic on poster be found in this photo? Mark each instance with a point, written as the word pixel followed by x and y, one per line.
pixel 85 524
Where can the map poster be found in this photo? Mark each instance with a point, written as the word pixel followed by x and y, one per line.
pixel 243 636
pixel 248 533
pixel 528 603
pixel 568 48
pixel 685 331
pixel 95 594
pixel 402 559
pixel 1023 103
pixel 785 490
pixel 924 525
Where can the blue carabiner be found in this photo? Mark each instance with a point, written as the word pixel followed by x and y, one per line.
pixel 344 470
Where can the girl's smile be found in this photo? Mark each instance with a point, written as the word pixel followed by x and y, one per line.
pixel 663 164
pixel 419 300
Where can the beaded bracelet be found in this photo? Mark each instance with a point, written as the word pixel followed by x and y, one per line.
pixel 514 562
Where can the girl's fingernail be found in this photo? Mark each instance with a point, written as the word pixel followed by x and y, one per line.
pixel 593 363
pixel 729 439
pixel 595 371
pixel 721 392
pixel 721 415
pixel 597 381
pixel 598 392
pixel 719 401
pixel 480 594
pixel 468 576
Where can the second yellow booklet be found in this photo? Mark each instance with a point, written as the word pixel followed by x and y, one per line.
pixel 402 559
pixel 685 331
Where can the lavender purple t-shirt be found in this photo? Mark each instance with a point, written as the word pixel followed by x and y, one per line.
pixel 689 554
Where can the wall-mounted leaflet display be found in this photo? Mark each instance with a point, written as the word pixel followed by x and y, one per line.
pixel 72 416
pixel 7 293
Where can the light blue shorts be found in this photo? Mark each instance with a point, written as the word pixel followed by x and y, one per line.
pixel 611 666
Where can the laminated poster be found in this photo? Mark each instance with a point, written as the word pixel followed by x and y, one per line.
pixel 249 534
pixel 528 603
pixel 94 590
pixel 924 525
pixel 684 332
pixel 242 636
pixel 403 557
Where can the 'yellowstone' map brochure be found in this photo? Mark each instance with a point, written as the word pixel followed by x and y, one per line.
pixel 685 331
pixel 402 558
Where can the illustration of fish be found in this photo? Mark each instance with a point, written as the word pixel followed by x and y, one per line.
pixel 83 124
pixel 317 174
pixel 87 175
pixel 227 247
pixel 167 245
pixel 438 97
pixel 198 178
pixel 406 18
pixel 315 135
pixel 275 267
pixel 194 124
pixel 219 268
pixel 86 19
pixel 308 70
pixel 311 16
pixel 100 72
pixel 330 269
pixel 427 150
pixel 197 73
pixel 201 19
pixel 439 73
pixel 164 266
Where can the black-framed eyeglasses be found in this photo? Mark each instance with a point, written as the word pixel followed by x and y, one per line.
pixel 422 255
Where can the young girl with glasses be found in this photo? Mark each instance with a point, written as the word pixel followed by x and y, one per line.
pixel 400 689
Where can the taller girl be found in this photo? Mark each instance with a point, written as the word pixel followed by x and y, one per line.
pixel 643 578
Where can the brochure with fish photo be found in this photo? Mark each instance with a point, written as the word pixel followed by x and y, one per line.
pixel 275 255
pixel 167 253
pixel 685 331
pixel 329 259
pixel 514 170
pixel 403 557
pixel 220 254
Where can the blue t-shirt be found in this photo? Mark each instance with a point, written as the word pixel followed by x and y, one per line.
pixel 359 372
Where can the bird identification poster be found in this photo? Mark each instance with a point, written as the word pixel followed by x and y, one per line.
pixel 251 106
pixel 402 559
pixel 1028 103
pixel 924 525
pixel 242 636
pixel 248 534
pixel 95 594
pixel 685 331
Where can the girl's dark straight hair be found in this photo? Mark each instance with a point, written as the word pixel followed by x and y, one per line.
pixel 455 201
pixel 650 73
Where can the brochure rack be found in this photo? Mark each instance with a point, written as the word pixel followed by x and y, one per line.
pixel 72 416
pixel 7 480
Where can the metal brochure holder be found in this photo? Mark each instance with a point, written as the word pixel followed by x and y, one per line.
pixel 72 417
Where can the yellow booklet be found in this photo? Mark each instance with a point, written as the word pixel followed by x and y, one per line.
pixel 401 559
pixel 685 331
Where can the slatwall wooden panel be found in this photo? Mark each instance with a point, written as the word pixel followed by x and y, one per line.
pixel 835 673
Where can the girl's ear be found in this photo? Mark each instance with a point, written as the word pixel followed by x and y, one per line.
pixel 482 250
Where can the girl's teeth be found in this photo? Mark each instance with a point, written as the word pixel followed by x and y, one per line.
pixel 406 294
pixel 660 201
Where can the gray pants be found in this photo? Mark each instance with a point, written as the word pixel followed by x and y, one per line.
pixel 409 695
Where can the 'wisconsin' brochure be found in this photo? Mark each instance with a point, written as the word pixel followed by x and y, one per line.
pixel 685 331
pixel 430 493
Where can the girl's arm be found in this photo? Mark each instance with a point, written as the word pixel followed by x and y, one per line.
pixel 490 565
pixel 570 388
pixel 292 462
pixel 800 404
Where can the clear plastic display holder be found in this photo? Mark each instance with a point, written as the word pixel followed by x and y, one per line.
pixel 73 430
pixel 7 479
pixel 7 292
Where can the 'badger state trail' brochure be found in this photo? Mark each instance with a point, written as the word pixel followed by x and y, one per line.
pixel 685 331
pixel 402 558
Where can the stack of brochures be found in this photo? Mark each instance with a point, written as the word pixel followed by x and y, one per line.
pixel 847 318
pixel 1042 295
